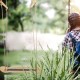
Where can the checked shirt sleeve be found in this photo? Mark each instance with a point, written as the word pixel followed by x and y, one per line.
pixel 67 43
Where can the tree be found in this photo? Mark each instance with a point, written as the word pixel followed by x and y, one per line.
pixel 43 22
pixel 15 15
pixel 19 13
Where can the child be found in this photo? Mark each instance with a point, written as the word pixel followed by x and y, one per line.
pixel 73 32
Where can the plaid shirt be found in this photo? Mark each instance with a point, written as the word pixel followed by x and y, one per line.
pixel 67 43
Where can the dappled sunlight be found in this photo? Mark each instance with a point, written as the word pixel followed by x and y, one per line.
pixel 50 13
pixel 75 6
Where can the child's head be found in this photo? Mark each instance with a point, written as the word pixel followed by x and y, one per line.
pixel 74 20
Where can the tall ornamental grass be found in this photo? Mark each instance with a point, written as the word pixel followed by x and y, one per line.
pixel 54 66
pixel 51 66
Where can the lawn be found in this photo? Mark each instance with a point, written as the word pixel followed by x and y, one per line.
pixel 22 57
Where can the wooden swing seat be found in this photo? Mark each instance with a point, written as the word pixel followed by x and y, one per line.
pixel 18 69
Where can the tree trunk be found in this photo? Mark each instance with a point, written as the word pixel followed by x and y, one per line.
pixel 21 24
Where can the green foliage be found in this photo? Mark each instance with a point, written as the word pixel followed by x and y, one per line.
pixel 16 15
pixel 51 66
pixel 54 66
pixel 21 16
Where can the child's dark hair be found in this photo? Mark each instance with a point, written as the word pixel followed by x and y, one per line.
pixel 74 20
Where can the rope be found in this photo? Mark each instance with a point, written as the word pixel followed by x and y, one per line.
pixel 33 4
pixel 69 1
pixel 6 53
pixel 69 7
pixel 36 45
pixel 4 33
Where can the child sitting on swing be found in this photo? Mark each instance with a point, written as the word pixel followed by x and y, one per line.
pixel 72 38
